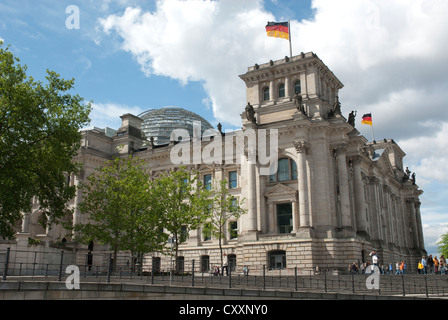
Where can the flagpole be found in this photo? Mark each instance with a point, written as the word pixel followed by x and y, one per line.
pixel 373 132
pixel 289 36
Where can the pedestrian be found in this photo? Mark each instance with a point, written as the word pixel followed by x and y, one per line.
pixel 436 264
pixel 374 258
pixel 425 266
pixel 442 264
pixel 430 264
pixel 353 268
pixel 397 268
pixel 225 264
pixel 401 267
pixel 216 271
pixel 420 268
pixel 391 269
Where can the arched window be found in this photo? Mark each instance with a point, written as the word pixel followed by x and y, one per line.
pixel 281 90
pixel 297 87
pixel 266 94
pixel 286 170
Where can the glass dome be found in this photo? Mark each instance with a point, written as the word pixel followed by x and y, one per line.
pixel 159 123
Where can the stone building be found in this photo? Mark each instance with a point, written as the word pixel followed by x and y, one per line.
pixel 334 198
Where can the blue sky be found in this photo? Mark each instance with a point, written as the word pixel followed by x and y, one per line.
pixel 133 55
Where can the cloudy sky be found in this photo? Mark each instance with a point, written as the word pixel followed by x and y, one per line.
pixel 131 55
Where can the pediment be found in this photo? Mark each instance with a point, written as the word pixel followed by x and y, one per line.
pixel 384 163
pixel 280 190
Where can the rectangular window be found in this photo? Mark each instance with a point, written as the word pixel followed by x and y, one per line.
pixel 284 217
pixel 233 229
pixel 233 179
pixel 208 181
pixel 183 234
pixel 205 263
pixel 207 232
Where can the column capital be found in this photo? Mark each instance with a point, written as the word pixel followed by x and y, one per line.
pixel 339 149
pixel 301 146
pixel 355 160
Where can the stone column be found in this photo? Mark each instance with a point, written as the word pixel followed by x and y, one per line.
pixel 78 199
pixel 26 222
pixel 360 201
pixel 344 196
pixel 295 215
pixel 287 87
pixel 251 228
pixel 262 216
pixel 302 179
pixel 410 202
pixel 271 90
pixel 419 224
pixel 272 218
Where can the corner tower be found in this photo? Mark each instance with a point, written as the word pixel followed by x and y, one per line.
pixel 277 82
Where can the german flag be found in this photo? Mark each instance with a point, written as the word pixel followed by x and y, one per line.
pixel 367 119
pixel 278 30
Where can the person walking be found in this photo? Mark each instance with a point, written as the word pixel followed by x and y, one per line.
pixel 430 264
pixel 420 268
pixel 425 266
pixel 225 264
pixel 401 267
pixel 436 264
pixel 442 264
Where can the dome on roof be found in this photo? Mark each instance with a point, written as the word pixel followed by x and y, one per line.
pixel 159 123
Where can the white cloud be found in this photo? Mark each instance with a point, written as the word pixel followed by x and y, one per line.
pixel 382 50
pixel 108 114
pixel 208 41
pixel 433 233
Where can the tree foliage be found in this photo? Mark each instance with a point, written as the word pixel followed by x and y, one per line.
pixel 223 208
pixel 182 202
pixel 39 137
pixel 122 209
pixel 443 245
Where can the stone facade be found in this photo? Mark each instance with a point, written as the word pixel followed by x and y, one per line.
pixel 334 198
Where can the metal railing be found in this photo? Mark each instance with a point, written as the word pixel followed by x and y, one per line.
pixel 101 268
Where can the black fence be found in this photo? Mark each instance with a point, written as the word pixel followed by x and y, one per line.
pixel 100 267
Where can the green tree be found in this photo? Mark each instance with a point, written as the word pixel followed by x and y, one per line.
pixel 120 204
pixel 223 208
pixel 39 137
pixel 443 245
pixel 182 202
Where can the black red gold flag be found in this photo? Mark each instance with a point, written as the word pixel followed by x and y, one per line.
pixel 278 30
pixel 367 119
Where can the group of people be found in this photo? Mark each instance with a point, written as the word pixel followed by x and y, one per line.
pixel 430 265
pixel 427 265
pixel 225 266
